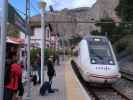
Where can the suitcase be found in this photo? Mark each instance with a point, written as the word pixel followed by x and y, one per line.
pixel 34 79
pixel 44 88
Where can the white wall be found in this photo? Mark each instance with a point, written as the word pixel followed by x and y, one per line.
pixel 36 38
pixel 37 33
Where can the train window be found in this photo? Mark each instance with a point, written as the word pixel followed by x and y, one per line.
pixel 100 52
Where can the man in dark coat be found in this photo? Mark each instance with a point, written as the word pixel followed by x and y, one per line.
pixel 50 71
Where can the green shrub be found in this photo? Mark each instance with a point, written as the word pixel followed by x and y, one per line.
pixel 33 54
pixel 47 52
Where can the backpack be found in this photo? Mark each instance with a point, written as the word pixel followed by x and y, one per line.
pixel 45 87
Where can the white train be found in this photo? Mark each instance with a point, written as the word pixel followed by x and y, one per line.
pixel 96 60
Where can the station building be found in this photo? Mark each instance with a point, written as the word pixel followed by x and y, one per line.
pixel 51 38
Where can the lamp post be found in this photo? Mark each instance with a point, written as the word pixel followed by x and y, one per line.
pixel 3 32
pixel 42 6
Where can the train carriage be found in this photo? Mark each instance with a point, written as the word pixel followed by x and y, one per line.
pixel 96 60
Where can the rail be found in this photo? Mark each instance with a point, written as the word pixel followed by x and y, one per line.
pixel 127 75
pixel 95 92
pixel 119 93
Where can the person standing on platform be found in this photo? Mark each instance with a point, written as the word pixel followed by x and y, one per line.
pixel 14 78
pixel 50 72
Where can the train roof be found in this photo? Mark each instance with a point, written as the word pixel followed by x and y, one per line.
pixel 90 37
pixel 95 36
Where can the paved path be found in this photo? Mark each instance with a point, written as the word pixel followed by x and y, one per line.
pixel 58 83
pixel 67 84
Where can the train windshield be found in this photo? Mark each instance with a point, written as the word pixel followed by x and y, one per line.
pixel 100 52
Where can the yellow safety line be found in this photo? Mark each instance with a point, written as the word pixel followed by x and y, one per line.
pixel 73 90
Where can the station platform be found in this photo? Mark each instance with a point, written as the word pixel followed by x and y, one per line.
pixel 67 84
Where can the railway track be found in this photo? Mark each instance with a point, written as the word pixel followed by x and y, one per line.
pixel 109 93
pixel 100 93
pixel 127 75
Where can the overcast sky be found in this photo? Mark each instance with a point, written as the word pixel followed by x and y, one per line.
pixel 60 4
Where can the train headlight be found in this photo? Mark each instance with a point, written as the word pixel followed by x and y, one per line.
pixel 111 62
pixel 93 61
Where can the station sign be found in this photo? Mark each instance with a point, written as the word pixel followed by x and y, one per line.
pixel 15 19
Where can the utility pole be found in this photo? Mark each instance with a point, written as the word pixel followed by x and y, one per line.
pixel 28 45
pixel 64 45
pixel 3 25
pixel 42 6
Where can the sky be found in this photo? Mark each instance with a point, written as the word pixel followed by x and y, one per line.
pixel 60 4
pixel 0 5
pixel 57 4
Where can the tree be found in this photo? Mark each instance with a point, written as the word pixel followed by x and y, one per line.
pixel 74 40
pixel 33 55
pixel 47 53
pixel 95 32
pixel 108 26
pixel 125 11
pixel 121 36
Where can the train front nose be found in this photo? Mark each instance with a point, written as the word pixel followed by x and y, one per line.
pixel 102 78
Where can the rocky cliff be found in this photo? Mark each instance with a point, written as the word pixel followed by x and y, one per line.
pixel 77 21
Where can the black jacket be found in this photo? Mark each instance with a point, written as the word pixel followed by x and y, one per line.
pixel 50 68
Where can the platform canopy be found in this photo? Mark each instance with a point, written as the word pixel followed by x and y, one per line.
pixel 14 40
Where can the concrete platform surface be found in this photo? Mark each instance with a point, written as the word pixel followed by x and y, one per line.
pixel 67 84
